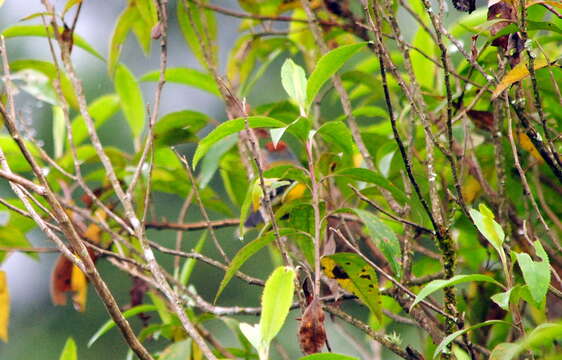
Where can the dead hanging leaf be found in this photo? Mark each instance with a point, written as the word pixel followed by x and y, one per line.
pixel 4 306
pixel 312 334
pixel 79 285
pixel 67 277
pixel 60 280
pixel 518 73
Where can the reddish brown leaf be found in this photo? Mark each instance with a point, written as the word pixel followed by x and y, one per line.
pixel 312 334
pixel 60 280
pixel 483 120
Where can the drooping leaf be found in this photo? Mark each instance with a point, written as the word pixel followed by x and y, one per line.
pixel 518 73
pixel 123 26
pixel 492 231
pixel 293 79
pixel 110 324
pixel 327 66
pixel 41 31
pixel 131 99
pixel 457 279
pixel 179 127
pixel 450 338
pixel 4 306
pixel 59 131
pixel 312 333
pixel 232 127
pixel 384 239
pixel 356 276
pixel 198 24
pixel 69 352
pixel 535 273
pixel 276 301
pixel 185 76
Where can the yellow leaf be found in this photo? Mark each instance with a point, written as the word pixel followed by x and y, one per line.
pixel 470 189
pixel 79 285
pixel 4 307
pixel 518 73
pixel 528 146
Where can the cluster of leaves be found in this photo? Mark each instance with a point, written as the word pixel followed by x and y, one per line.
pixel 394 154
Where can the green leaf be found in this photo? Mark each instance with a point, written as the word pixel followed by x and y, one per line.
pixel 368 176
pixel 36 84
pixel 543 335
pixel 293 79
pixel 328 356
pixel 110 324
pixel 356 276
pixel 505 351
pixel 211 161
pixel 100 110
pixel 69 4
pixel 424 69
pixel 457 279
pixel 180 350
pixel 122 27
pixel 189 264
pixel 131 99
pixel 384 239
pixel 503 299
pixel 492 231
pixel 59 131
pixel 49 70
pixel 327 66
pixel 337 132
pixel 450 338
pixel 276 301
pixel 179 127
pixel 69 352
pixel 185 76
pixel 39 30
pixel 205 28
pixel 12 237
pixel 232 127
pixel 240 258
pixel 535 273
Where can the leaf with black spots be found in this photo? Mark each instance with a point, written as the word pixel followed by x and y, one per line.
pixel 356 276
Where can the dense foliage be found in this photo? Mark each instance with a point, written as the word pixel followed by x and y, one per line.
pixel 408 185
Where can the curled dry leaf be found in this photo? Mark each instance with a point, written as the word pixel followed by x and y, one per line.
pixel 312 334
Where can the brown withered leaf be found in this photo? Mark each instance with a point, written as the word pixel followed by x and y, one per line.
pixel 312 334
pixel 483 120
pixel 60 280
